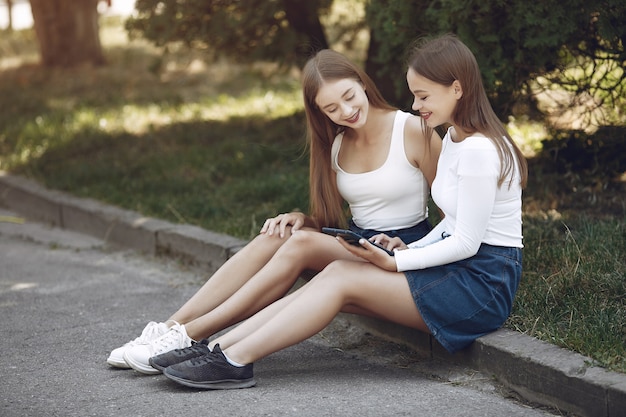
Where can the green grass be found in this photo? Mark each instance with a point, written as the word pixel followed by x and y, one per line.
pixel 221 146
pixel 224 176
pixel 574 286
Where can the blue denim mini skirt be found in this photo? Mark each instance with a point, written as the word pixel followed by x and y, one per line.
pixel 408 235
pixel 464 300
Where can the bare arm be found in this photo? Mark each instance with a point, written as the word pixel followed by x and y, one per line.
pixel 423 152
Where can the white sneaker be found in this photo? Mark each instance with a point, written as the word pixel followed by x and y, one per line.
pixel 137 357
pixel 152 331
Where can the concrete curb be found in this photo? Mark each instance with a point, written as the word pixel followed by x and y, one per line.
pixel 116 226
pixel 538 371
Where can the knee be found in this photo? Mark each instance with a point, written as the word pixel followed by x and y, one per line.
pixel 301 242
pixel 304 238
pixel 263 241
pixel 337 271
pixel 339 265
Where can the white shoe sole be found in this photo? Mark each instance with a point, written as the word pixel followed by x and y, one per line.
pixel 140 367
pixel 118 364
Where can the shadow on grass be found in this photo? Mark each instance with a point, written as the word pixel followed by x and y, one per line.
pixel 224 176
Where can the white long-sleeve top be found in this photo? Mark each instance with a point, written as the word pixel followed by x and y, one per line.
pixel 476 209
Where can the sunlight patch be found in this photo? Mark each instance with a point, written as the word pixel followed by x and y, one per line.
pixel 23 286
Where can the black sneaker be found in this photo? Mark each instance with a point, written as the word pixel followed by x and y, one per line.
pixel 211 371
pixel 175 356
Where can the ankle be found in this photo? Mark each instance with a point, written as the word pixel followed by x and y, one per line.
pixel 170 323
pixel 233 362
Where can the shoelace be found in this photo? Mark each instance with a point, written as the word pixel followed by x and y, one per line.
pixel 173 337
pixel 201 360
pixel 150 332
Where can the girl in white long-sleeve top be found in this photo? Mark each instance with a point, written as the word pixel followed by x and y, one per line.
pixel 457 283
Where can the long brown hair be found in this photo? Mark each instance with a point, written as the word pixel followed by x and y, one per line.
pixel 445 59
pixel 327 66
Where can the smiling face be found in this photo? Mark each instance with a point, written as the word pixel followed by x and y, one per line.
pixel 344 102
pixel 435 102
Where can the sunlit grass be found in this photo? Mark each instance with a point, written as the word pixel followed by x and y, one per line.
pixel 132 95
pixel 139 119
pixel 59 126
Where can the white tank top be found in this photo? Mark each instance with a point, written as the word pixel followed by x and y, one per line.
pixel 391 197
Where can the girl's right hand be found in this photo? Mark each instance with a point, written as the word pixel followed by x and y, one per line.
pixel 391 243
pixel 370 253
pixel 282 221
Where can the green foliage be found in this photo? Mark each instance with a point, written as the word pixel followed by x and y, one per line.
pixel 246 31
pixel 598 155
pixel 580 171
pixel 514 40
pixel 393 26
pixel 577 46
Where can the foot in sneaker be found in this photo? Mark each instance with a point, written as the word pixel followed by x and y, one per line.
pixel 162 361
pixel 211 371
pixel 149 333
pixel 137 357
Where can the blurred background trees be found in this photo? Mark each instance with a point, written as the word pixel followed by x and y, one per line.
pixel 555 61
pixel 282 31
pixel 559 63
pixel 523 49
pixel 526 51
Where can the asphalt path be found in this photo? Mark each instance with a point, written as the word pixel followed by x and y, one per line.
pixel 67 300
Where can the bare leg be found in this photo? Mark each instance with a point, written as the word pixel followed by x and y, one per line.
pixel 230 277
pixel 341 285
pixel 255 322
pixel 304 250
pixel 259 319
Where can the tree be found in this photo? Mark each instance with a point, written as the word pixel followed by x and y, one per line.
pixel 578 44
pixel 516 42
pixel 282 31
pixel 393 26
pixel 67 31
pixel 10 14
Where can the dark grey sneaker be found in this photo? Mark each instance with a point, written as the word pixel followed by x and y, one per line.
pixel 175 356
pixel 211 371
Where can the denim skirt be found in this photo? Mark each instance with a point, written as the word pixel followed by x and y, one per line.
pixel 408 235
pixel 464 300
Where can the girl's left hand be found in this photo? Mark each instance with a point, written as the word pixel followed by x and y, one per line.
pixel 371 253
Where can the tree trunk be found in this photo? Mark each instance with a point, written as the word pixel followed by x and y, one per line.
pixel 302 15
pixel 10 11
pixel 67 31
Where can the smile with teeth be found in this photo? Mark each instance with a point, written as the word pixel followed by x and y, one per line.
pixel 425 115
pixel 353 118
